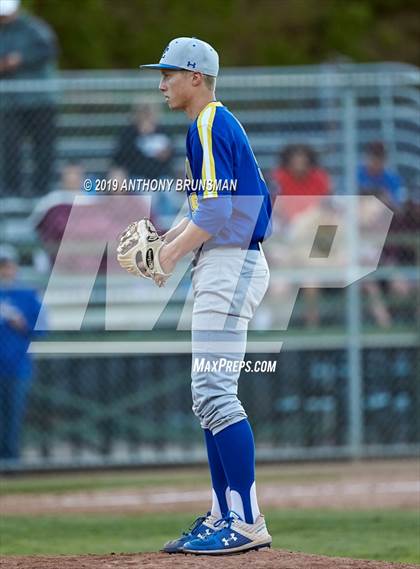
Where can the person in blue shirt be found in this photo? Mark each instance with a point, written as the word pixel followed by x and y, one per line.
pixel 375 178
pixel 19 309
pixel 229 217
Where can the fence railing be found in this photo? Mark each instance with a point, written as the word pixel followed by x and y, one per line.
pixel 347 377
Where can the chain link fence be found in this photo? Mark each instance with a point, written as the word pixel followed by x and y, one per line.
pixel 109 390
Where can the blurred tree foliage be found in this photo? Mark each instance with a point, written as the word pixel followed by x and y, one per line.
pixel 125 33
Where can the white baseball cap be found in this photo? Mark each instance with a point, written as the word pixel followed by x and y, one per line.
pixel 8 7
pixel 191 54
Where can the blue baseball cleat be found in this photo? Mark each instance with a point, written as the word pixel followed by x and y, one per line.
pixel 234 536
pixel 203 527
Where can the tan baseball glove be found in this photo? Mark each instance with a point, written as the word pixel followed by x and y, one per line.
pixel 138 251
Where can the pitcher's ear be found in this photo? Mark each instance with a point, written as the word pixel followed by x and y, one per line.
pixel 197 78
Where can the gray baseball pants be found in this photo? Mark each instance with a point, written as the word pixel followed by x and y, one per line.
pixel 228 285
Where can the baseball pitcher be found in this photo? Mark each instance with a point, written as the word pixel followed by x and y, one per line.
pixel 229 217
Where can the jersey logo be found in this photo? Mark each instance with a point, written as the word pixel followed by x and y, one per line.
pixel 193 201
pixel 191 64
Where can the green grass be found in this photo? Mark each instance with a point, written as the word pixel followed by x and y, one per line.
pixel 391 535
pixel 61 483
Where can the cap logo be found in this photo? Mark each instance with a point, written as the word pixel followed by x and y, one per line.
pixel 190 64
pixel 164 51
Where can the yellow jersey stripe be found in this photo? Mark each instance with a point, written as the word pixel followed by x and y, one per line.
pixel 204 125
pixel 212 192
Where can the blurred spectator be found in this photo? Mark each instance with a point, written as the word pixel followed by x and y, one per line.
pixel 28 51
pixel 19 308
pixel 288 251
pixel 52 212
pixel 97 218
pixel 374 177
pixel 299 175
pixel 143 150
pixel 403 247
pixel 402 250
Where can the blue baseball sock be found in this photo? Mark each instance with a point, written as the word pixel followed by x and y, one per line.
pixel 237 451
pixel 220 506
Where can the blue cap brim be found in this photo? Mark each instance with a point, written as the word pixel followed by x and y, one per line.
pixel 160 66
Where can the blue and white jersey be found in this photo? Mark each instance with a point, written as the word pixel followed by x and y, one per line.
pixel 227 193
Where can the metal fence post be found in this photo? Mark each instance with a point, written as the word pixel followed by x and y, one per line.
pixel 386 105
pixel 353 304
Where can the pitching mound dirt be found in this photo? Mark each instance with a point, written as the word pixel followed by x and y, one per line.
pixel 268 559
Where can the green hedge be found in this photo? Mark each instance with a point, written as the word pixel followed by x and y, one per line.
pixel 121 34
